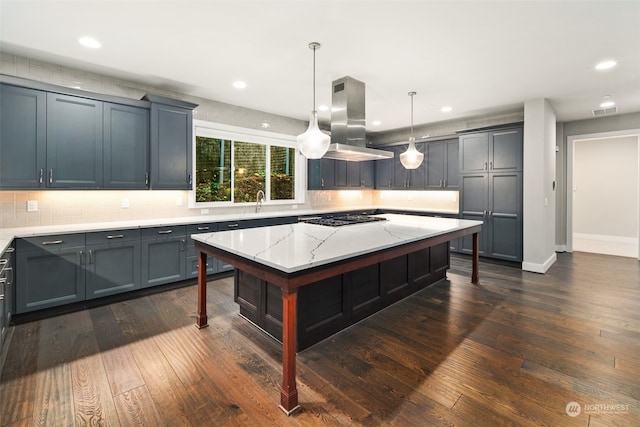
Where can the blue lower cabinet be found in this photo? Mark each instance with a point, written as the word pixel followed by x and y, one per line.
pixel 112 262
pixel 50 271
pixel 164 255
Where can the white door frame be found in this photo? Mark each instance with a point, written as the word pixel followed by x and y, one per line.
pixel 571 140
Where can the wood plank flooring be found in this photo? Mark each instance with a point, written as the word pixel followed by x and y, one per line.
pixel 514 350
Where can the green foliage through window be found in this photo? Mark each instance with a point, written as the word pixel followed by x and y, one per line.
pixel 213 171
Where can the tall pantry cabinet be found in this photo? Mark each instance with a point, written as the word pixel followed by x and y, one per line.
pixel 491 190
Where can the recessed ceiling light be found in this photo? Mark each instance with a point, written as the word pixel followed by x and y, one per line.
pixel 239 84
pixel 607 104
pixel 376 123
pixel 446 109
pixel 605 65
pixel 89 42
pixel 322 107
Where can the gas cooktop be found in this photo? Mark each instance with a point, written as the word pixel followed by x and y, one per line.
pixel 340 220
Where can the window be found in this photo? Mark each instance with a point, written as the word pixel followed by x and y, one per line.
pixel 233 164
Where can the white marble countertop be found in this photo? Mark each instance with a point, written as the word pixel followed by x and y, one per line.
pixel 8 234
pixel 295 247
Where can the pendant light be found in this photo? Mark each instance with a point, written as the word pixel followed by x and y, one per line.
pixel 313 143
pixel 411 158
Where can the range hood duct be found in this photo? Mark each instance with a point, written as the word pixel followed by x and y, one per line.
pixel 348 124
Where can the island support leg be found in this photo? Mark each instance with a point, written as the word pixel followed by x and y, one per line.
pixel 201 321
pixel 475 257
pixel 289 392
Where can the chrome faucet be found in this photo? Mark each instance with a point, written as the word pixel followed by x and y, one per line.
pixel 259 200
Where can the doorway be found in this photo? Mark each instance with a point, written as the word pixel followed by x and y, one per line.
pixel 603 193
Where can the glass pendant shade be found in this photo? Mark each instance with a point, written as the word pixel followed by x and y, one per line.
pixel 412 158
pixel 313 143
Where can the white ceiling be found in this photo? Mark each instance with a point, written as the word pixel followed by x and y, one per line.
pixel 476 56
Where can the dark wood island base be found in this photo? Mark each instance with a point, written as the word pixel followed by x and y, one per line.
pixel 289 283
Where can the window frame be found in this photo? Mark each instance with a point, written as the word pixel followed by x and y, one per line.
pixel 255 136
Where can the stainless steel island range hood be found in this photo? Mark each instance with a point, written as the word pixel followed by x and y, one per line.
pixel 348 125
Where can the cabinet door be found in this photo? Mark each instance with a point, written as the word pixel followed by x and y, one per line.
pixel 384 174
pixel 435 157
pixel 452 165
pixel 49 278
pixel 7 269
pixel 112 268
pixel 321 174
pixel 353 174
pixel 171 140
pixel 126 147
pixel 163 260
pixel 474 205
pixel 341 174
pixel 74 142
pixel 22 137
pixel 505 216
pixel 474 152
pixel 505 150
pixel 367 173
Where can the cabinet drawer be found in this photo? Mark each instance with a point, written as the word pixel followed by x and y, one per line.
pixel 51 243
pixel 164 232
pixel 113 236
pixel 201 228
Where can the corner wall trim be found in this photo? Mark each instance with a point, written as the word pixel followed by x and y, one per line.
pixel 540 268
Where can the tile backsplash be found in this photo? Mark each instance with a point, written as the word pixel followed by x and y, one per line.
pixel 78 207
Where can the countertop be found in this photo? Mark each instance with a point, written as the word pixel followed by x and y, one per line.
pixel 295 247
pixel 8 234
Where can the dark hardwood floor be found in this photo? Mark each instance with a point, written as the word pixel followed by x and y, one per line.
pixel 514 350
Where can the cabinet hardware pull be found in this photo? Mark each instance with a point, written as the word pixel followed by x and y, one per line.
pixel 90 256
pixel 322 182
pixel 490 214
pixel 445 183
pixel 485 165
pixel 232 225
pixel 1 296
pixel 11 270
pixel 146 178
pixel 51 176
pixel 81 257
pixel 41 178
pixel 3 262
pixel 190 181
pixel 53 242
pixel 491 165
pixel 116 236
pixel 202 228
pixel 165 232
pixel 182 244
pixel 10 250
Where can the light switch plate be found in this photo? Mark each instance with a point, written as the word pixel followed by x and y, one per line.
pixel 32 206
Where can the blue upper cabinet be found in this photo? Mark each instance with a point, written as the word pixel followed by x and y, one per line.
pixel 171 143
pixel 74 142
pixel 126 147
pixel 23 140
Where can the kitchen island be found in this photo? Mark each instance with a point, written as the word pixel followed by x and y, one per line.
pixel 293 256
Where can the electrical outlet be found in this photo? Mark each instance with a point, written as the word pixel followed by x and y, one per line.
pixel 179 201
pixel 294 206
pixel 32 206
pixel 125 203
pixel 204 211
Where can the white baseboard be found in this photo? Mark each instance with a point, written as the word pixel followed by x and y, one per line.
pixel 607 245
pixel 540 268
